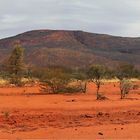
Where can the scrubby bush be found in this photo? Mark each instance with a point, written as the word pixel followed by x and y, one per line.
pixel 96 73
pixel 59 80
pixel 125 87
pixel 56 79
pixel 81 79
pixel 124 72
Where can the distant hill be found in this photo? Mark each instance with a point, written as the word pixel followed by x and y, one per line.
pixel 73 48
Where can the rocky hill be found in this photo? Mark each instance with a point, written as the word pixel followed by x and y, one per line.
pixel 73 48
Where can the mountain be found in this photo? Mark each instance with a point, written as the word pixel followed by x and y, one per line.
pixel 73 48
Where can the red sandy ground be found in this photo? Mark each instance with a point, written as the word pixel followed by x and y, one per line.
pixel 77 116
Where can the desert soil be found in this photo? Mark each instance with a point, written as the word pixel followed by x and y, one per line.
pixel 25 113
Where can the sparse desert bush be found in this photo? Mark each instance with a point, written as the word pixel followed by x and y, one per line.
pixel 62 81
pixel 55 79
pixel 80 79
pixel 69 87
pixel 125 87
pixel 125 72
pixel 78 85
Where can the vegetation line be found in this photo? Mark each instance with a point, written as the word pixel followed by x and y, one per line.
pixel 58 80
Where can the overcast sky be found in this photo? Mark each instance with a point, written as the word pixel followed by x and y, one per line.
pixel 115 17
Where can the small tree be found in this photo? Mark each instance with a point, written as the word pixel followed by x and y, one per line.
pixel 96 73
pixel 123 73
pixel 15 65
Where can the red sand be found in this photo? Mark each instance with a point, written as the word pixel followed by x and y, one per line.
pixel 69 116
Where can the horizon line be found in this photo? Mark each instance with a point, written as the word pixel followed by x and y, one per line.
pixel 68 30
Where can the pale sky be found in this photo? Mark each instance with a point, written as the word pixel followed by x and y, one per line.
pixel 115 17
